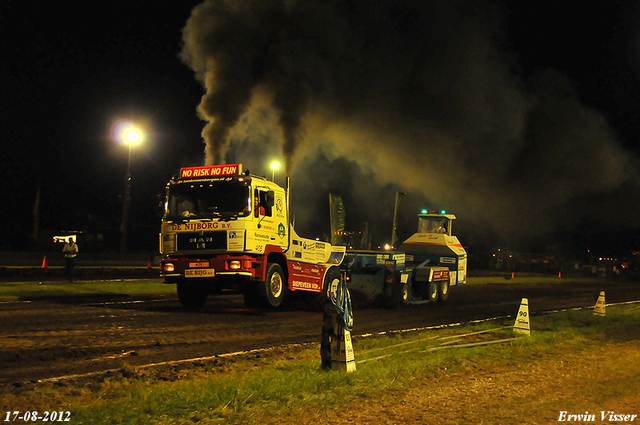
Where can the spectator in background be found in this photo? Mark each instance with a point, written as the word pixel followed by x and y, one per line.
pixel 70 251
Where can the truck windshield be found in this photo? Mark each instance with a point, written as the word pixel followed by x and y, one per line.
pixel 433 225
pixel 207 200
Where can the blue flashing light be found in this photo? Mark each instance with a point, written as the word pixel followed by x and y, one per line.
pixel 424 211
pixel 443 212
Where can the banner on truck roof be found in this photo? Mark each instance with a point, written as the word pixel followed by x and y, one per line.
pixel 210 171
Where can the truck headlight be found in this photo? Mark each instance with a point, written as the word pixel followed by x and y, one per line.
pixel 168 267
pixel 235 264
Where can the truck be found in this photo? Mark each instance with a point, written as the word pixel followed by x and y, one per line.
pixel 225 229
pixel 422 269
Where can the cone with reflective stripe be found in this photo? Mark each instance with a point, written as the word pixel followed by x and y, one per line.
pixel 521 324
pixel 600 308
pixel 342 351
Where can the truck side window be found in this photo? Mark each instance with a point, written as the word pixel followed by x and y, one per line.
pixel 264 201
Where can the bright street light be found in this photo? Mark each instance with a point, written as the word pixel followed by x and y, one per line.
pixel 132 136
pixel 274 166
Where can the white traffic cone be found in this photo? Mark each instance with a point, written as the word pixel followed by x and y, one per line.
pixel 342 351
pixel 600 308
pixel 521 324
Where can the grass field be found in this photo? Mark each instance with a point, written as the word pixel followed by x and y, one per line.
pixel 289 386
pixel 35 289
pixel 31 290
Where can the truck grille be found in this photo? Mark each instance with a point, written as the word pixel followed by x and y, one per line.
pixel 195 241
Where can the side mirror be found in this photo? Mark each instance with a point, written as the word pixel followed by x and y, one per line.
pixel 271 198
pixel 161 202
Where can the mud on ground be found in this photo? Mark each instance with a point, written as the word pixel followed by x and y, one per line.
pixel 50 337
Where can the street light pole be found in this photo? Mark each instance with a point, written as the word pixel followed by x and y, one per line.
pixel 399 196
pixel 124 226
pixel 274 165
pixel 131 137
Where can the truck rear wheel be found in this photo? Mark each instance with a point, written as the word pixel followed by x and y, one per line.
pixel 191 294
pixel 443 290
pixel 317 301
pixel 275 288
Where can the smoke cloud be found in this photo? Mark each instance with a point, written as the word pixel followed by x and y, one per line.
pixel 408 95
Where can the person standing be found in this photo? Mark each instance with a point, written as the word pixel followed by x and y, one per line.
pixel 70 251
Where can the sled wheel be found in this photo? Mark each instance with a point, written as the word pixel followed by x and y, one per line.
pixel 432 288
pixel 400 292
pixel 443 290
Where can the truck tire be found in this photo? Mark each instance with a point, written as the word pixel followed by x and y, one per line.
pixel 433 291
pixel 443 290
pixel 275 288
pixel 399 292
pixel 315 301
pixel 191 294
pixel 332 274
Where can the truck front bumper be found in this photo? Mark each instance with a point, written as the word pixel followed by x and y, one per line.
pixel 219 267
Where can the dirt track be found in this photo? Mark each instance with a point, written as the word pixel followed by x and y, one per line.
pixel 48 338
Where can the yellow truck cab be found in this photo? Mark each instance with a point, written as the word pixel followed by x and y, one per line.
pixel 224 229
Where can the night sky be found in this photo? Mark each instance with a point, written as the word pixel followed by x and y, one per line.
pixel 519 119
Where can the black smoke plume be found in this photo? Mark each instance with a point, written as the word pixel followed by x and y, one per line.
pixel 418 94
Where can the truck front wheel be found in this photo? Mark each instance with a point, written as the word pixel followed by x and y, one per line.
pixel 275 288
pixel 191 294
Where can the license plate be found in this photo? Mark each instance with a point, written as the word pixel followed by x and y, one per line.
pixel 200 273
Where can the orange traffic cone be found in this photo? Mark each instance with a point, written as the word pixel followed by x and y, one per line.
pixel 560 274
pixel 513 275
pixel 44 262
pixel 149 264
